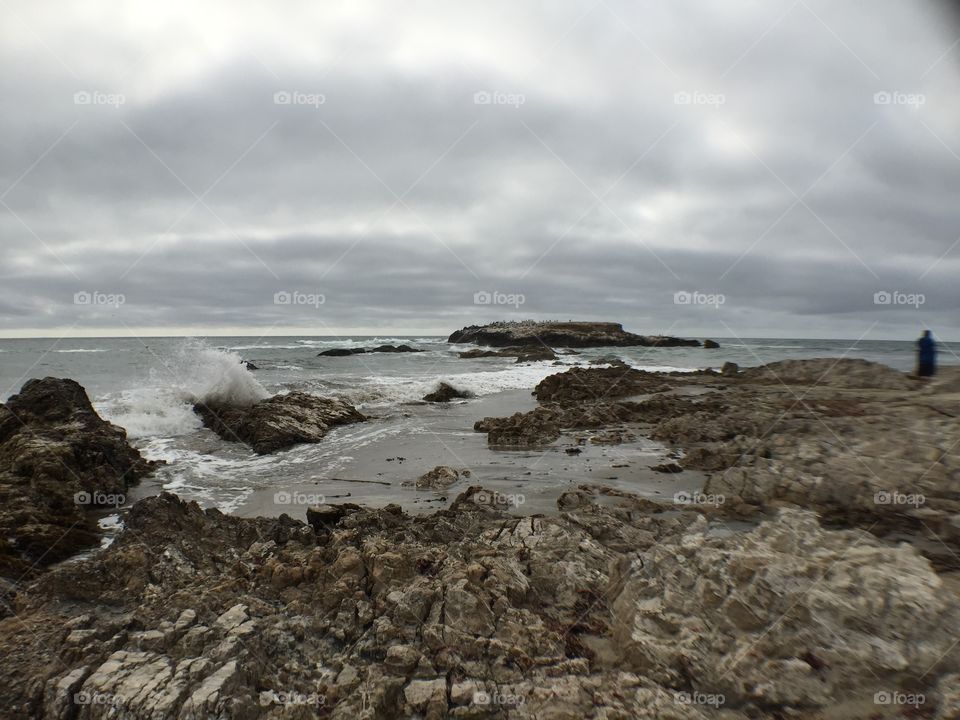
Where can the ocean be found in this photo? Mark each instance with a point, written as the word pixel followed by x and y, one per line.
pixel 148 386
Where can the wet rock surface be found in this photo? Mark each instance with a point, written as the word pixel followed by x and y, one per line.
pixel 58 460
pixel 561 334
pixel 600 611
pixel 278 422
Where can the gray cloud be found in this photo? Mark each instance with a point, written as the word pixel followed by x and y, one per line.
pixel 796 158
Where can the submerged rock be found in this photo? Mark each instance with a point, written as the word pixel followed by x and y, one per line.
pixel 278 422
pixel 532 353
pixel 446 392
pixel 58 460
pixel 344 352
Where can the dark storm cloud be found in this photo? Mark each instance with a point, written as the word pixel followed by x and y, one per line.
pixel 796 159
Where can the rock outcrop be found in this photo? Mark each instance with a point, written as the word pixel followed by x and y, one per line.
pixel 605 610
pixel 58 460
pixel 561 334
pixel 279 422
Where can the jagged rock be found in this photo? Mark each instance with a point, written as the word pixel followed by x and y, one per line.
pixel 789 615
pixel 602 611
pixel 278 422
pixel 440 478
pixel 445 392
pixel 560 334
pixel 533 429
pixel 58 459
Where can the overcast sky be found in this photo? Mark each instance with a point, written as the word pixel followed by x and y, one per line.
pixel 712 167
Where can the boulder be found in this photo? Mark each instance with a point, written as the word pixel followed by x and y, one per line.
pixel 440 478
pixel 58 460
pixel 445 393
pixel 711 344
pixel 279 422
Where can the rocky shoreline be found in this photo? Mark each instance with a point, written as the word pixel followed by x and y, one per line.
pixel 839 599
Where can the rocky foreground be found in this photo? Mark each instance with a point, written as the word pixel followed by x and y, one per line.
pixel 548 334
pixel 838 597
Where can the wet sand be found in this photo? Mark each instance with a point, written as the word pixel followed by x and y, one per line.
pixel 384 471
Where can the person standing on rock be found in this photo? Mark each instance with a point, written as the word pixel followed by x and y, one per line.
pixel 926 355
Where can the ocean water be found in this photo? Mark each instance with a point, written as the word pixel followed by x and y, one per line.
pixel 148 387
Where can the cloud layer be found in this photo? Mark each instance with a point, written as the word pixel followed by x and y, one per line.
pixel 613 160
